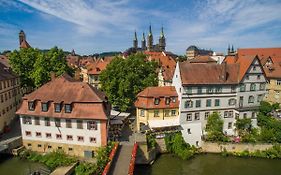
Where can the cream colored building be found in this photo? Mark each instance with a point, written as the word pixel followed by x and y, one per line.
pixel 157 108
pixel 10 96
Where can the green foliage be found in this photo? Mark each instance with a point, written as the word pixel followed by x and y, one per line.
pixel 86 169
pixel 176 144
pixel 151 142
pixel 51 160
pixel 34 67
pixel 182 58
pixel 123 79
pixel 270 153
pixel 265 107
pixel 214 128
pixel 246 131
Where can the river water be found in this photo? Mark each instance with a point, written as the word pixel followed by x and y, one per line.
pixel 210 164
pixel 14 166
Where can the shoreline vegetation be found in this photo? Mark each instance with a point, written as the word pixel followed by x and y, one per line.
pixel 58 158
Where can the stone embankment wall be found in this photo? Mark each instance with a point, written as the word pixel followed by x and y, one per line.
pixel 233 147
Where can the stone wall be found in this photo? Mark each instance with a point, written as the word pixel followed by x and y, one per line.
pixel 233 147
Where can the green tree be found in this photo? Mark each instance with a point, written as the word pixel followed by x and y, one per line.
pixel 265 107
pixel 214 128
pixel 123 79
pixel 34 67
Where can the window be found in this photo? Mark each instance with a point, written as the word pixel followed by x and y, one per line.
pixel 207 114
pixel 80 139
pixel 218 89
pixel 68 123
pixel 174 113
pixel 247 77
pixel 2 98
pixel 251 99
pixel 156 101
pixel 242 88
pixel 58 136
pixel 188 104
pixel 27 120
pixel 262 86
pixel 267 81
pixel 167 113
pixel 199 90
pixel 142 113
pixel 208 103
pixel 47 121
pixel 38 134
pixel 49 147
pixel 228 114
pixel 29 145
pixel 197 116
pixel 245 115
pixel 59 147
pixel 48 135
pixel 189 117
pixel 27 133
pixel 253 115
pixel 188 131
pixel 44 107
pixel 69 137
pixel 233 89
pixel 198 103
pixel 210 90
pixel 252 87
pixel 57 107
pixel 37 120
pixel 258 77
pixel 67 108
pixel 188 90
pixel 39 145
pixel 278 82
pixel 92 125
pixel 260 98
pixel 174 99
pixel 93 140
pixel 79 124
pixel 156 113
pixel 217 102
pixel 57 122
pixel 231 102
pixel 229 125
pixel 31 105
pixel 167 100
pixel 225 114
pixel 70 149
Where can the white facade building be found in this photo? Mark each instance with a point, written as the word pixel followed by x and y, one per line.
pixel 207 88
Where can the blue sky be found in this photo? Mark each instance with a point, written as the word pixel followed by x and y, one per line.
pixel 91 26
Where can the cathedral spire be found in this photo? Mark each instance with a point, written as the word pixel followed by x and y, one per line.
pixel 162 40
pixel 150 39
pixel 162 32
pixel 143 42
pixel 135 41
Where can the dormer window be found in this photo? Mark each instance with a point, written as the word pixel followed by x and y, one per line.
pixel 167 101
pixel 57 107
pixel 156 101
pixel 174 99
pixel 31 105
pixel 44 107
pixel 67 108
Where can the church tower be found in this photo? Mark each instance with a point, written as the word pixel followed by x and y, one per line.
pixel 135 41
pixel 150 40
pixel 21 36
pixel 143 42
pixel 162 40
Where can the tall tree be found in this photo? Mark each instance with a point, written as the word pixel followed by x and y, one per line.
pixel 214 128
pixel 123 79
pixel 34 67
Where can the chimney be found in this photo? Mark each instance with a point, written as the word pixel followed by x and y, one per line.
pixel 223 71
pixel 53 76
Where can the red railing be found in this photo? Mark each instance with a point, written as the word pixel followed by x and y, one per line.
pixel 133 160
pixel 111 156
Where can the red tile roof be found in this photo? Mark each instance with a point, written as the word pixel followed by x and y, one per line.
pixel 98 65
pixel 6 73
pixel 87 101
pixel 208 73
pixel 145 99
pixel 166 62
pixel 202 59
pixel 4 60
pixel 24 44
pixel 271 71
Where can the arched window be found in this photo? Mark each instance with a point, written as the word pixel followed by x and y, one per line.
pixel 251 99
pixel 253 87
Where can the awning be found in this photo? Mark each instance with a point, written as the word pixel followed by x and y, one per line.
pixel 163 123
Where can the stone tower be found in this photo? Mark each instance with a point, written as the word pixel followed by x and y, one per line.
pixel 162 40
pixel 143 42
pixel 21 36
pixel 135 41
pixel 150 40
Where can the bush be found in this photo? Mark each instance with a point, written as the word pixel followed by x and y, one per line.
pixel 151 142
pixel 86 169
pixel 176 144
